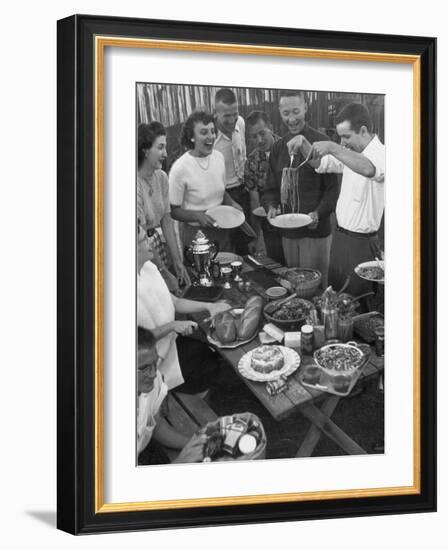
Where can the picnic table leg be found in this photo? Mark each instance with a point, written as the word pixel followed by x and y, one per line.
pixel 329 428
pixel 313 436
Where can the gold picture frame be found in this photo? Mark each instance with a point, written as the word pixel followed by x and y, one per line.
pixel 82 42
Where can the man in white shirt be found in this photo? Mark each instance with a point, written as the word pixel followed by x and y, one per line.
pixel 361 159
pixel 231 142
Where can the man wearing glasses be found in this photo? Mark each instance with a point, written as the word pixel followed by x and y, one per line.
pixel 152 428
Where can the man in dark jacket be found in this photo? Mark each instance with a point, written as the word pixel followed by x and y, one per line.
pixel 307 246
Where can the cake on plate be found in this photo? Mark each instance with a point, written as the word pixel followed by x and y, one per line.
pixel 266 359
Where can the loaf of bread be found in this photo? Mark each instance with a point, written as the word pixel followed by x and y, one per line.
pixel 225 327
pixel 250 318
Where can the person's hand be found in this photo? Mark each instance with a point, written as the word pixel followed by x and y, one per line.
pixel 272 212
pixel 295 144
pixel 185 327
pixel 183 277
pixel 193 450
pixel 205 220
pixel 315 217
pixel 322 148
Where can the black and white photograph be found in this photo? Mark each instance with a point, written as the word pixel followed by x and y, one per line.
pixel 260 268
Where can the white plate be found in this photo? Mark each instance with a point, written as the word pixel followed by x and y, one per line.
pixel 291 221
pixel 228 257
pixel 260 212
pixel 227 217
pixel 369 264
pixel 292 363
pixel 275 292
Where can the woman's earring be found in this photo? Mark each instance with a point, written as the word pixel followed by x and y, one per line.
pixel 192 139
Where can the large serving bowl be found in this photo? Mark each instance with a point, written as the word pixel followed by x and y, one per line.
pixel 337 359
pixel 291 316
pixel 304 281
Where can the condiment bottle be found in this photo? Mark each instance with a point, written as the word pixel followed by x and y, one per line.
pixel 307 339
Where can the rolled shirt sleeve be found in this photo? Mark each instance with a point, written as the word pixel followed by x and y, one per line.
pixel 377 156
pixel 176 187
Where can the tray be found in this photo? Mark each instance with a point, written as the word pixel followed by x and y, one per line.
pixel 230 345
pixel 228 257
pixel 204 293
pixel 263 277
pixel 326 382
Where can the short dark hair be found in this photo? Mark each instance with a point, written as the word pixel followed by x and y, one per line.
pixel 187 132
pixel 254 117
pixel 145 338
pixel 293 93
pixel 225 95
pixel 358 115
pixel 146 136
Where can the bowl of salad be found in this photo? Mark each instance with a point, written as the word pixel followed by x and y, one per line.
pixel 336 359
pixel 290 315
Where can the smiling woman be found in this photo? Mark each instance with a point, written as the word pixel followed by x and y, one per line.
pixel 153 209
pixel 197 180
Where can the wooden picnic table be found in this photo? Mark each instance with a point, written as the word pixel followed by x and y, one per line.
pixel 296 397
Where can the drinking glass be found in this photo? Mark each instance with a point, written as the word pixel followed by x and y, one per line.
pixel 226 273
pixel 237 267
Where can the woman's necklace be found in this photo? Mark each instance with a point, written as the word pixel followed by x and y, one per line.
pixel 148 179
pixel 203 166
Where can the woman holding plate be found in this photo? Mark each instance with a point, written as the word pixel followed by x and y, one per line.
pixel 153 208
pixel 197 182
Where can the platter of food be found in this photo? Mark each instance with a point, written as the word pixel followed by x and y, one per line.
pixel 214 340
pixel 238 326
pixel 371 271
pixel 268 362
pixel 288 314
pixel 227 217
pixel 291 221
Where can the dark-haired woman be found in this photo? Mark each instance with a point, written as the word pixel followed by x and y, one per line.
pixel 153 207
pixel 197 181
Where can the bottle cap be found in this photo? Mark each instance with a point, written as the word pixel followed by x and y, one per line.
pixel 307 329
pixel 247 444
